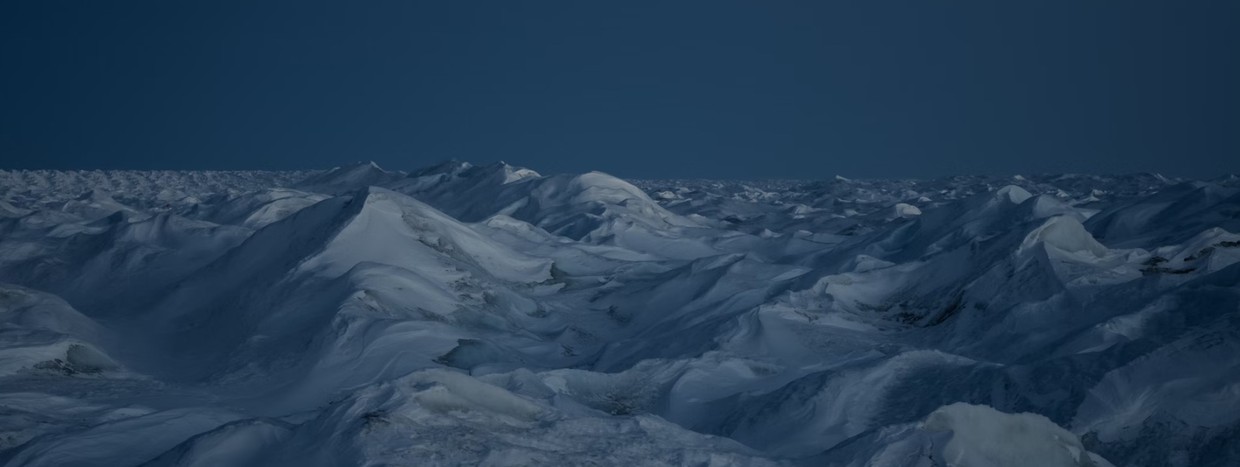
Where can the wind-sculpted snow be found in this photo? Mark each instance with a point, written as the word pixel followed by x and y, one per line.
pixel 467 314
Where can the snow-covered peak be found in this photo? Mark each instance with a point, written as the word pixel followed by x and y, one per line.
pixel 451 169
pixel 391 228
pixel 1066 234
pixel 1013 194
pixel 598 187
pixel 513 174
pixel 448 167
pixel 348 178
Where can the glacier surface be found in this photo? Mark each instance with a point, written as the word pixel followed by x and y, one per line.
pixel 489 315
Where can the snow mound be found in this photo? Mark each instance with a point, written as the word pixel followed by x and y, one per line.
pixel 255 210
pixel 901 210
pixel 980 436
pixel 45 335
pixel 1013 194
pixel 438 417
pixel 1167 217
pixel 1066 234
pixel 594 207
pixel 391 228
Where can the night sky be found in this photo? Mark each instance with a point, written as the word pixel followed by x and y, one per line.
pixel 638 89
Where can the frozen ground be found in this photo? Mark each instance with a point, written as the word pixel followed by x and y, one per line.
pixel 489 315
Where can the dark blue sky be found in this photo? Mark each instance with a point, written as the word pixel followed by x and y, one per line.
pixel 641 89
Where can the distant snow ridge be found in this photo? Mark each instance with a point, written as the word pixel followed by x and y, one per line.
pixel 465 314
